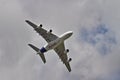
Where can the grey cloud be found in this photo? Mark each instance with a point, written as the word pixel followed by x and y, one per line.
pixel 13 34
pixel 100 36
pixel 53 12
pixel 87 64
pixel 17 61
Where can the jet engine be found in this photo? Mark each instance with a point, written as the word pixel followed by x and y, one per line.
pixel 40 25
pixel 70 59
pixel 66 51
pixel 50 31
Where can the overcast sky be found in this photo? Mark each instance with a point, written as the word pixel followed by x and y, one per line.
pixel 94 46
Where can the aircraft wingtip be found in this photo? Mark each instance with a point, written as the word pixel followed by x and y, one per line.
pixel 26 20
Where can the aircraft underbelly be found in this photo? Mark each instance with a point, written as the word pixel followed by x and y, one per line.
pixel 53 44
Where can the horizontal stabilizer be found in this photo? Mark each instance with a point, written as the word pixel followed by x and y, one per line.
pixel 38 51
pixel 35 48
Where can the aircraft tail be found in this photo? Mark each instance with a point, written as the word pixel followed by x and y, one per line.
pixel 38 52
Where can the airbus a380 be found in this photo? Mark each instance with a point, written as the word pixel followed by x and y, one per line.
pixel 54 42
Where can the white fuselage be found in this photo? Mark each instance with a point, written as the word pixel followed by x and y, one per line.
pixel 58 41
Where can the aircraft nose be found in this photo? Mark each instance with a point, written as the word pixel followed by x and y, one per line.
pixel 70 33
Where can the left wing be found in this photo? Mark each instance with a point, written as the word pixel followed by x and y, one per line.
pixel 60 51
pixel 47 35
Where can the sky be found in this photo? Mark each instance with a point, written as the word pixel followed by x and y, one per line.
pixel 94 46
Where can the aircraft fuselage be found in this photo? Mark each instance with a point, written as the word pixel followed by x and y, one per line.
pixel 55 43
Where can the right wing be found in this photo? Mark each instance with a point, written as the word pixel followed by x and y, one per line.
pixel 44 33
pixel 60 51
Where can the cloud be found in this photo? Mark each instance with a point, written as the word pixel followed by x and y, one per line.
pixel 99 37
pixel 12 33
pixel 95 22
pixel 14 36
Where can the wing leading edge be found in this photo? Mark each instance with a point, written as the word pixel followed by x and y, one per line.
pixel 48 36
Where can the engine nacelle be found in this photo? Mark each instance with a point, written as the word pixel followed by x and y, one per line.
pixel 40 25
pixel 70 59
pixel 66 51
pixel 50 31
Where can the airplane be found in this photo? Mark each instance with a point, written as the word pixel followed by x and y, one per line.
pixel 54 42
